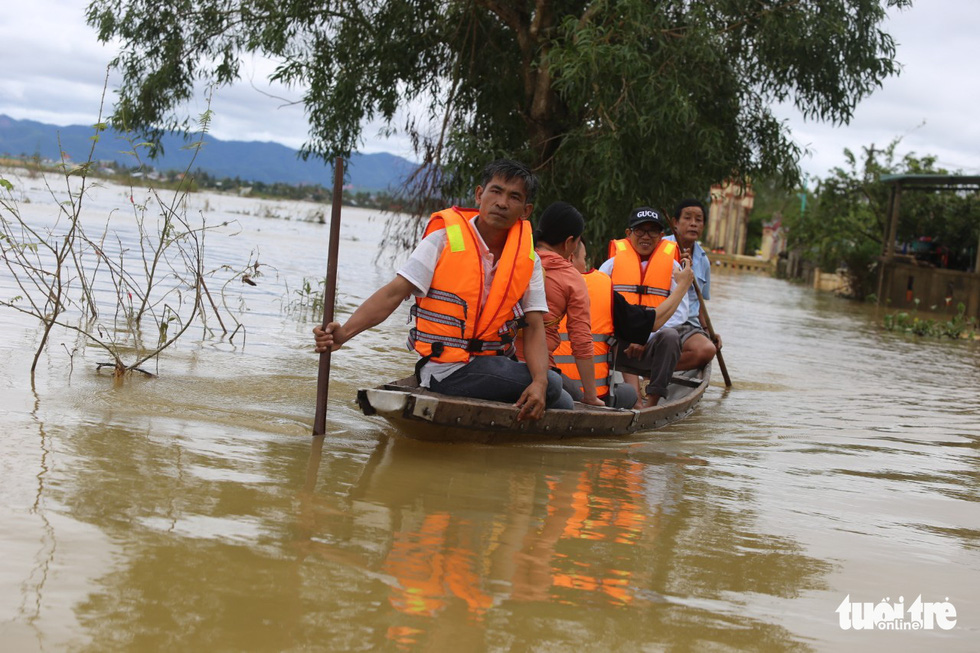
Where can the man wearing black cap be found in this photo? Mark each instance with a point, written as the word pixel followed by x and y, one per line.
pixel 644 269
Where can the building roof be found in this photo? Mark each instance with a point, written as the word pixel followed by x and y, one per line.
pixel 933 181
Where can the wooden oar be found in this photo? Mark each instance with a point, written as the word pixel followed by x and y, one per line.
pixel 313 464
pixel 711 334
pixel 329 296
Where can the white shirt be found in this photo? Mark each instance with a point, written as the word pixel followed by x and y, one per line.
pixel 421 265
pixel 683 308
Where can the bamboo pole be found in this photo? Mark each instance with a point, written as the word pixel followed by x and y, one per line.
pixel 329 297
pixel 711 334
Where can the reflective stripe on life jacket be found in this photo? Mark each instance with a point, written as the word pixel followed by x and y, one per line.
pixel 601 297
pixel 644 287
pixel 453 322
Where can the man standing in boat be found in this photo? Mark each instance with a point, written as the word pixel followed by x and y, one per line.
pixel 642 267
pixel 688 223
pixel 477 281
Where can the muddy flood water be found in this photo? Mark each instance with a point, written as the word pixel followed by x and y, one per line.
pixel 836 484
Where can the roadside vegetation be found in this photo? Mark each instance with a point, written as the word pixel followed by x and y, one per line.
pixel 843 227
pixel 838 222
pixel 838 225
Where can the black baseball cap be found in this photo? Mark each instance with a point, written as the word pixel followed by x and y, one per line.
pixel 645 214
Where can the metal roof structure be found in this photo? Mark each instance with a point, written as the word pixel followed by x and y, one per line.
pixel 918 182
pixel 933 181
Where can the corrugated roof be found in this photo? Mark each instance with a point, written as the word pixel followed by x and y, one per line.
pixel 933 181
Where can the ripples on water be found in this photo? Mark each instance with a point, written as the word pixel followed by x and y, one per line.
pixel 191 512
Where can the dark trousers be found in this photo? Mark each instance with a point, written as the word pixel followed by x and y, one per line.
pixel 622 396
pixel 498 378
pixel 659 359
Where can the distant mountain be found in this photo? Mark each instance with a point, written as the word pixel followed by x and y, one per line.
pixel 249 161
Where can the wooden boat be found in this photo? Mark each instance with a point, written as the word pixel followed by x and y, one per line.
pixel 425 415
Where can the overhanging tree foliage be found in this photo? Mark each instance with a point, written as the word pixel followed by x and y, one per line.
pixel 613 102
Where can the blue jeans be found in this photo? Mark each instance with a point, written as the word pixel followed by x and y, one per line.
pixel 498 378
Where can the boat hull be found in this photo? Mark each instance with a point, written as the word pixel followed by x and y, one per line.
pixel 424 415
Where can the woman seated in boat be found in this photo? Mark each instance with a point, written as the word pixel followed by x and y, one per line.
pixel 614 320
pixel 555 240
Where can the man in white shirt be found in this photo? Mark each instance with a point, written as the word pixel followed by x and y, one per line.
pixel 504 197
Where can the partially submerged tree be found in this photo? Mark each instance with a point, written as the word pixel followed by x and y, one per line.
pixel 131 293
pixel 613 102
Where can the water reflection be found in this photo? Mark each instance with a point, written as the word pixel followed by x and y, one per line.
pixel 200 518
pixel 33 586
pixel 545 532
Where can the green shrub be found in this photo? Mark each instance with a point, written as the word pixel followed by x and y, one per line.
pixel 958 326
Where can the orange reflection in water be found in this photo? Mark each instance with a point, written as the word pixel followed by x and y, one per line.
pixel 606 505
pixel 552 542
pixel 429 571
pixel 545 558
pixel 609 508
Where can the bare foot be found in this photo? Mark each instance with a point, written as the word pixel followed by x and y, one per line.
pixel 650 401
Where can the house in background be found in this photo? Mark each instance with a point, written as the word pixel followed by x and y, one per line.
pixel 904 278
pixel 774 237
pixel 728 218
pixel 727 229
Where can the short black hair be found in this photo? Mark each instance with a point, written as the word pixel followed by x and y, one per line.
pixel 508 169
pixel 683 204
pixel 558 222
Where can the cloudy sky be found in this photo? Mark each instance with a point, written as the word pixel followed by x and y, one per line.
pixel 53 70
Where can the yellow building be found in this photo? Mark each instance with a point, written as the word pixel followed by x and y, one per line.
pixel 728 218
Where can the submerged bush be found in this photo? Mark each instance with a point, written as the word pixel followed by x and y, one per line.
pixel 958 326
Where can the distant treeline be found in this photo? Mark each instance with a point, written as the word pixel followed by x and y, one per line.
pixel 202 180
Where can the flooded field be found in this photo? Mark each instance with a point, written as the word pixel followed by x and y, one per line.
pixel 192 511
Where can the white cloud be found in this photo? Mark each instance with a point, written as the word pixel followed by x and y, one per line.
pixel 60 70
pixel 931 104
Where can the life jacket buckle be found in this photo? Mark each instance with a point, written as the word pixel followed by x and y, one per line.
pixel 474 345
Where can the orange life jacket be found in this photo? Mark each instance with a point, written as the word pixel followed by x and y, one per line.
pixel 617 245
pixel 600 290
pixel 453 322
pixel 642 287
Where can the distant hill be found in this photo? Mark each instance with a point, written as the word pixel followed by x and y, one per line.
pixel 249 161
